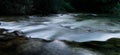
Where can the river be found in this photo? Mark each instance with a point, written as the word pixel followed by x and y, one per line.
pixel 64 27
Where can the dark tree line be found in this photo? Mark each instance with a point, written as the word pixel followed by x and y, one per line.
pixel 97 6
pixel 23 7
pixel 8 7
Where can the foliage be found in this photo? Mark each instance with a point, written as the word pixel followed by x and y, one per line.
pixel 15 6
pixel 95 6
pixel 58 6
pixel 116 9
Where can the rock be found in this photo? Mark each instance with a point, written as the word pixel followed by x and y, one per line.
pixel 109 47
pixel 16 43
pixel 56 48
pixel 32 47
pixel 8 45
pixel 3 31
pixel 18 34
pixel 6 35
pixel 35 47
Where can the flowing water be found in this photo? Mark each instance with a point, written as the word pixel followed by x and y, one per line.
pixel 64 27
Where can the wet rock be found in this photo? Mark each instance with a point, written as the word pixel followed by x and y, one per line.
pixel 8 47
pixel 84 51
pixel 3 31
pixel 35 47
pixel 56 48
pixel 32 47
pixel 6 35
pixel 109 47
pixel 17 33
pixel 16 43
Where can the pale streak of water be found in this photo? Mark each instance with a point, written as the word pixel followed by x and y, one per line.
pixel 65 27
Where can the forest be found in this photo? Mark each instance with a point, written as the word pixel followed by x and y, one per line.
pixel 32 7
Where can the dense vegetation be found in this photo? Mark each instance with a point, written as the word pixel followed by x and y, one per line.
pixel 19 7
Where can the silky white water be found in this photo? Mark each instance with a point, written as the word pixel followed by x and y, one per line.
pixel 65 27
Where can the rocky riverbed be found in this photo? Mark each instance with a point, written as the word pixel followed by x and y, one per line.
pixel 60 34
pixel 16 43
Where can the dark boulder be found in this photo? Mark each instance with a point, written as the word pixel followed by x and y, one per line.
pixel 6 35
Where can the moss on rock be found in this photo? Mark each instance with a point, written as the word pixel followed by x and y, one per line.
pixel 109 47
